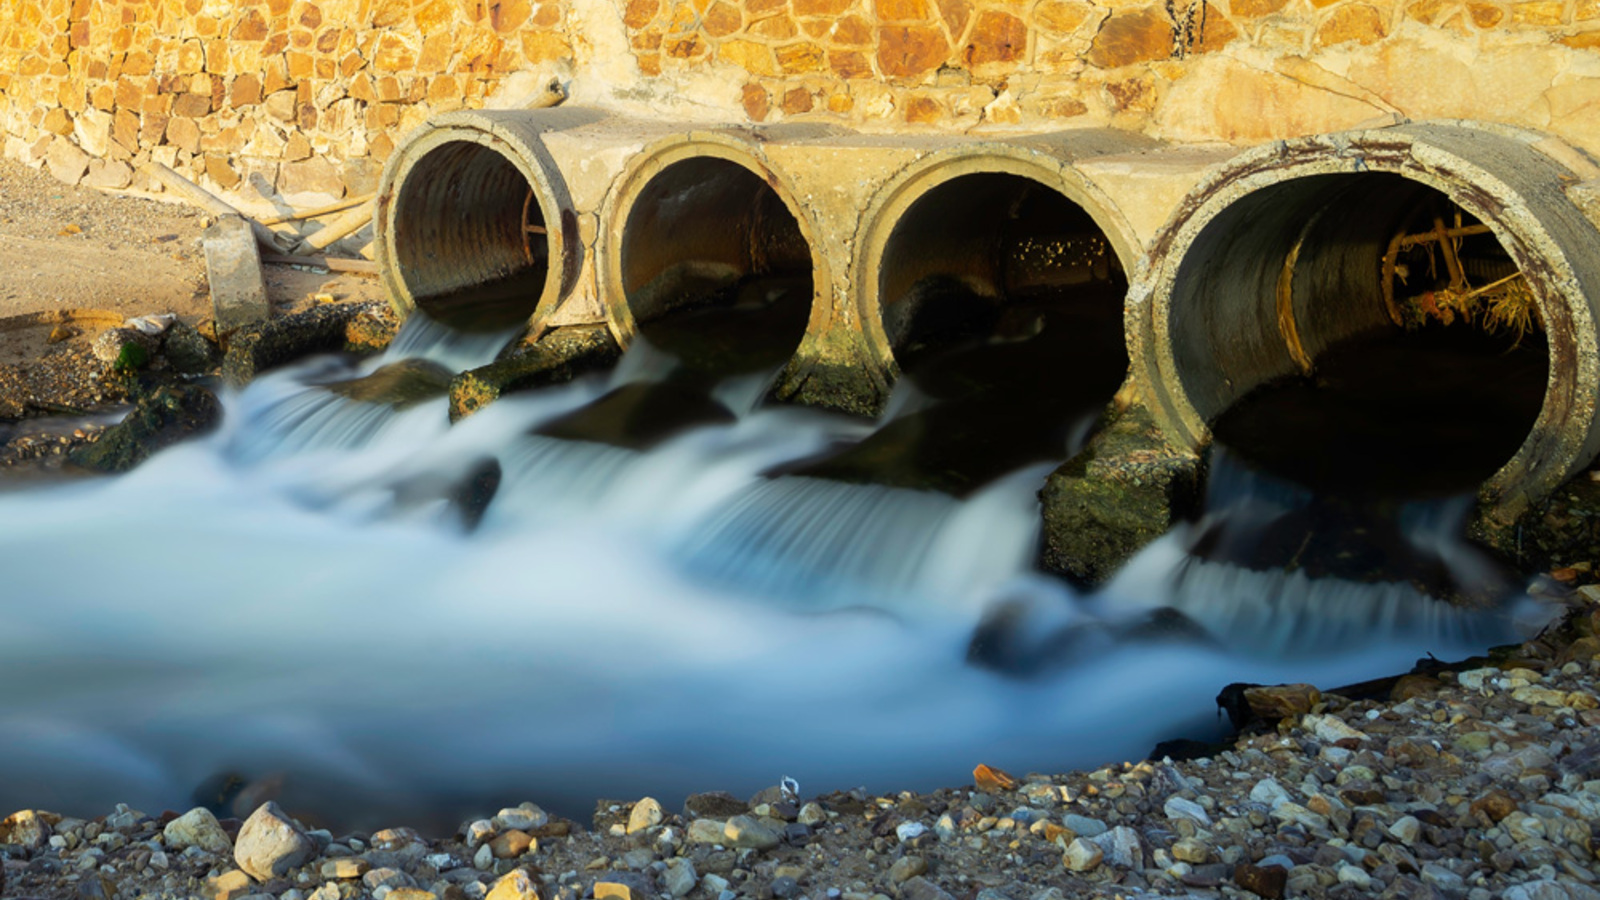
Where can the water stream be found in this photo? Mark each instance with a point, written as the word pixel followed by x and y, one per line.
pixel 299 598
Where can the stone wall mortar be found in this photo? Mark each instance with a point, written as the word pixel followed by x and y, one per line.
pixel 291 103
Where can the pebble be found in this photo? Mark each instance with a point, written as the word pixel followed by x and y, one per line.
pixel 270 844
pixel 1179 808
pixel 906 868
pixel 479 832
pixel 1083 826
pixel 1331 728
pixel 526 817
pixel 910 831
pixel 1269 792
pixel 197 828
pixel 679 877
pixel 747 831
pixel 812 814
pixel 1082 855
pixel 1406 830
pixel 920 888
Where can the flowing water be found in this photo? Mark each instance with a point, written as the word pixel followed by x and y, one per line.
pixel 299 598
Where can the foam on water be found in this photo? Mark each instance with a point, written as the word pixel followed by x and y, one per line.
pixel 622 623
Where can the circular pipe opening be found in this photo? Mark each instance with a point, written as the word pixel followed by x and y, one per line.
pixel 715 268
pixel 470 239
pixel 1359 333
pixel 998 277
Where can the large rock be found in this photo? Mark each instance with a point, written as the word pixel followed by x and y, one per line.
pixel 271 844
pixel 197 828
pixel 165 416
pixel 27 828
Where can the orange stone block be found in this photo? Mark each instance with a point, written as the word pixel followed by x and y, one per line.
pixel 1062 16
pixel 130 93
pixel 907 51
pixel 763 7
pixel 391 13
pixel 805 8
pixel 103 97
pixel 649 64
pixel 300 65
pixel 639 13
pixel 902 10
pixel 796 101
pixel 1587 40
pixel 393 54
pixel 1353 22
pixel 991 780
pixel 774 28
pixel 797 59
pixel 546 15
pixel 923 110
pixel 301 38
pixel 481 51
pixel 444 87
pixel 1424 11
pixel 544 47
pixel 755 58
pixel 138 62
pixel 851 31
pixel 840 103
pixel 245 91
pixel 1254 9
pixel 508 15
pixel 756 103
pixel 722 19
pixel 1216 31
pixel 1485 15
pixel 646 40
pixel 687 47
pixel 997 37
pixel 849 64
pixel 435 54
pixel 1137 36
pixel 1538 13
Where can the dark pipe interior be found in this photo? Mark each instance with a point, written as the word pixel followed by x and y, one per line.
pixel 468 238
pixel 1002 300
pixel 715 268
pixel 1431 408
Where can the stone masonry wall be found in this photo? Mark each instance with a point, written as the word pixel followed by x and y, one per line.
pixel 295 102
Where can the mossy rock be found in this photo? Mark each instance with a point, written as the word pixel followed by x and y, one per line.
pixel 165 416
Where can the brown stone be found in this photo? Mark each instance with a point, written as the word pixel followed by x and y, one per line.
pixel 1216 31
pixel 125 129
pixel 193 106
pixel 130 95
pixel 851 31
pixel 184 134
pixel 1267 881
pixel 907 51
pixel 1280 701
pixel 774 28
pixel 510 844
pixel 639 13
pixel 849 64
pixel 1485 15
pixel 797 100
pixel 65 161
pixel 245 91
pixel 103 97
pixel 108 173
pixel 756 103
pixel 1254 9
pixel 1141 35
pixel 796 59
pixel 57 121
pixel 722 19
pixel 508 15
pixel 997 37
pixel 1494 806
pixel 218 170
pixel 280 105
pixel 987 778
pixel 1356 22
pixel 297 147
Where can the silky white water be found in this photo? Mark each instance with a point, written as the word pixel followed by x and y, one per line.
pixel 294 597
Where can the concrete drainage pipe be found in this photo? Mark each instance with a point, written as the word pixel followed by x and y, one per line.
pixel 1287 251
pixel 474 225
pixel 708 256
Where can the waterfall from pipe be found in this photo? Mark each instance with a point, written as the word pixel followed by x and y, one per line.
pixel 299 598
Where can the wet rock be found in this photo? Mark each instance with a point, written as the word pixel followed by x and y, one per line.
pixel 1273 702
pixel 270 844
pixel 647 813
pixel 558 357
pixel 197 828
pixel 160 419
pixel 1268 881
pixel 270 344
pixel 399 385
pixel 187 349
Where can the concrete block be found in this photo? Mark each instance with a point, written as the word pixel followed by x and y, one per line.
pixel 233 268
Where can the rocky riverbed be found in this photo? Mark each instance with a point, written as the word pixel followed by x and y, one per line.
pixel 1478 781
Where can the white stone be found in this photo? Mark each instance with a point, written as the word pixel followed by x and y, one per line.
pixel 197 828
pixel 1355 876
pixel 271 844
pixel 910 831
pixel 1406 829
pixel 479 833
pixel 1332 728
pixel 679 878
pixel 522 818
pixel 483 860
pixel 1179 808
pixel 1122 847
pixel 1269 792
pixel 647 813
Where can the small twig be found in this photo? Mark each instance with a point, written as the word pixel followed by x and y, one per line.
pixel 331 263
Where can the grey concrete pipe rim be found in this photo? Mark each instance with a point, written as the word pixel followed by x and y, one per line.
pixel 916 180
pixel 1535 223
pixel 499 133
pixel 736 148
